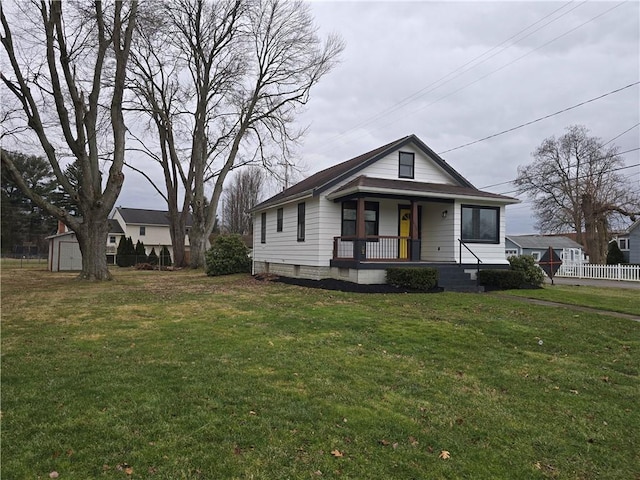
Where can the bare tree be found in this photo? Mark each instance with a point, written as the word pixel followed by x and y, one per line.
pixel 79 53
pixel 575 186
pixel 239 198
pixel 251 65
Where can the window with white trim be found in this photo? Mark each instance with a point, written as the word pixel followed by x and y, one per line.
pixel 623 243
pixel 480 224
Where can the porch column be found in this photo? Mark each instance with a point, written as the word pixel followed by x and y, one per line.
pixel 360 244
pixel 415 241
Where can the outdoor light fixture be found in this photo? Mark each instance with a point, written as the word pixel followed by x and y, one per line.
pixel 444 213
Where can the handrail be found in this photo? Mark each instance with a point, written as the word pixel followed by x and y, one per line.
pixel 462 244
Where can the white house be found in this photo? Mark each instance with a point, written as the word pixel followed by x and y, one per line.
pixel 537 245
pixel 151 227
pixel 398 205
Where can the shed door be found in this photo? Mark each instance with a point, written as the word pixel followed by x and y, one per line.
pixel 70 257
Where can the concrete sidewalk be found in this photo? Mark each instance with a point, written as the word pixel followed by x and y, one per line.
pixel 593 283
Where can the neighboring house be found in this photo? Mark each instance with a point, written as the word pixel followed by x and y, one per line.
pixel 537 245
pixel 629 243
pixel 398 205
pixel 151 227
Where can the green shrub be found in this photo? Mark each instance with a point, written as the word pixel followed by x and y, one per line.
pixel 614 254
pixel 422 279
pixel 153 257
pixel 126 253
pixel 165 257
pixel 533 274
pixel 501 279
pixel 141 254
pixel 228 254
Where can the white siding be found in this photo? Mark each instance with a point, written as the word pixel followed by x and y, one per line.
pixel 425 169
pixel 489 253
pixel 438 241
pixel 284 247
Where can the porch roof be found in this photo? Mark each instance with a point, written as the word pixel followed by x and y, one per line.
pixel 381 186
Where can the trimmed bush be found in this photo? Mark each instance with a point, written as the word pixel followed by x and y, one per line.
pixel 533 274
pixel 141 254
pixel 126 253
pixel 153 257
pixel 614 254
pixel 422 279
pixel 165 257
pixel 228 254
pixel 501 279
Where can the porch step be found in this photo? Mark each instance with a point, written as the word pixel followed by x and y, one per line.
pixel 453 278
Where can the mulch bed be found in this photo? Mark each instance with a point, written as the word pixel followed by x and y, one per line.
pixel 341 285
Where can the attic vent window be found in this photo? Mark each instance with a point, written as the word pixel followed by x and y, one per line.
pixel 406 165
pixel 143 231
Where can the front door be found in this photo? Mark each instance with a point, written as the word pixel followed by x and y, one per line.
pixel 404 230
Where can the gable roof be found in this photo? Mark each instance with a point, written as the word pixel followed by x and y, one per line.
pixel 328 177
pixel 543 241
pixel 138 216
pixel 114 226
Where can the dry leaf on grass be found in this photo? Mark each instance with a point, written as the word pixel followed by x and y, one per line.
pixel 53 474
pixel 337 453
pixel 444 455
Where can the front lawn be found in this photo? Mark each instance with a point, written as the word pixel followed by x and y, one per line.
pixel 623 300
pixel 173 375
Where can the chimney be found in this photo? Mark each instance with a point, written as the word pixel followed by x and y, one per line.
pixel 62 228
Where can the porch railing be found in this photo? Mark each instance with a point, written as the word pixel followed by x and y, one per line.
pixel 375 248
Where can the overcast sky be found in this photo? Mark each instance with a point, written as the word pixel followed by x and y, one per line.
pixel 456 72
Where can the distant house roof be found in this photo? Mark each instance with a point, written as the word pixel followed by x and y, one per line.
pixel 137 216
pixel 380 185
pixel 543 241
pixel 329 177
pixel 114 226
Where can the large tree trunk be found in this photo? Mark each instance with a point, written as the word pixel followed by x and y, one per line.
pixel 92 238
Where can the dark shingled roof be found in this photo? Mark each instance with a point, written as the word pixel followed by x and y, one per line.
pixel 114 226
pixel 419 187
pixel 138 216
pixel 543 241
pixel 324 179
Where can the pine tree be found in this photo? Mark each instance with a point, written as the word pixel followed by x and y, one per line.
pixel 153 257
pixel 165 257
pixel 141 254
pixel 121 252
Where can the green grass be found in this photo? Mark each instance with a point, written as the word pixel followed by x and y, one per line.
pixel 178 375
pixel 613 299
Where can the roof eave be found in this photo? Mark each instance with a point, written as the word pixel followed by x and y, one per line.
pixel 411 193
pixel 283 201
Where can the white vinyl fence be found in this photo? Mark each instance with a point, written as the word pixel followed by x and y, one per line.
pixel 629 273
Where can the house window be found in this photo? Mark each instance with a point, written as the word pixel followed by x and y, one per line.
pixel 480 224
pixel 510 252
pixel 536 256
pixel 112 239
pixel 371 218
pixel 406 164
pixel 623 243
pixel 301 220
pixel 263 227
pixel 280 215
pixel 143 230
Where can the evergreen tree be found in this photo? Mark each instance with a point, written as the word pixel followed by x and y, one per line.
pixel 153 257
pixel 121 252
pixel 165 257
pixel 141 254
pixel 614 254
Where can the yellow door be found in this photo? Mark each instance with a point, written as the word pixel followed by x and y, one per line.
pixel 405 231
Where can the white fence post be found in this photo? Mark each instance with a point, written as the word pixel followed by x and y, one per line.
pixel 630 273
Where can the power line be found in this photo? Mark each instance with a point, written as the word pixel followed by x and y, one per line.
pixel 581 177
pixel 542 118
pixel 461 69
pixel 571 165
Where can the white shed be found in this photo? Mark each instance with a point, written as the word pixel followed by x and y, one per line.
pixel 64 253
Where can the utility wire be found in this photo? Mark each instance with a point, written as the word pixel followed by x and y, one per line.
pixel 543 118
pixel 581 177
pixel 573 165
pixel 461 69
